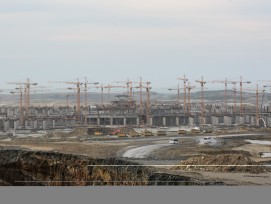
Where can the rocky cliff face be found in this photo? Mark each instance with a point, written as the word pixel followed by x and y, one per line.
pixel 35 168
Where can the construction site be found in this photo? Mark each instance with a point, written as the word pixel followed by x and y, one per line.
pixel 126 133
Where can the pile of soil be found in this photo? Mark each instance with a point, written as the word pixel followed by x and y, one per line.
pixel 222 163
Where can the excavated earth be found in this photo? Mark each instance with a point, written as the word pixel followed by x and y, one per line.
pixel 222 163
pixel 21 167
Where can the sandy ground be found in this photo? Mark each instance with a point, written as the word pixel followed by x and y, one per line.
pixel 156 150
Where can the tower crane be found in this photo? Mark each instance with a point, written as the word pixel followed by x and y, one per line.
pixel 234 94
pixel 266 86
pixel 189 88
pixel 109 87
pixel 129 85
pixel 148 101
pixel 241 93
pixel 27 86
pixel 257 112
pixel 102 92
pixel 77 89
pixel 86 96
pixel 178 93
pixel 20 91
pixel 184 79
pixel 202 83
pixel 225 82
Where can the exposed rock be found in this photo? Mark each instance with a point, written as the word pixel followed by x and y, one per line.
pixel 23 167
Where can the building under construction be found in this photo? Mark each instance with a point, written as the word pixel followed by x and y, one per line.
pixel 142 110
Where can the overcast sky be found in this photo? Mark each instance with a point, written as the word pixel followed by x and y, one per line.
pixel 112 40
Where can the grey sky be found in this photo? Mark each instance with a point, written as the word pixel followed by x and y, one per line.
pixel 110 40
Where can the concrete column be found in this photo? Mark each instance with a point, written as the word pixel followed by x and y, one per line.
pixel 268 122
pixel 6 125
pixel 137 121
pixel 35 124
pixel 164 121
pixel 177 121
pixel 54 123
pixel 98 121
pixel 191 122
pixel 124 121
pixel 26 124
pixel 151 121
pixel 16 124
pixel 227 120
pixel 44 125
pixel 111 121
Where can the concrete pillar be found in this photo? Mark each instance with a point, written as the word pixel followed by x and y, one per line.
pixel 137 121
pixel 98 121
pixel 124 121
pixel 26 124
pixel 54 123
pixel 35 125
pixel 268 122
pixel 227 120
pixel 191 122
pixel 111 121
pixel 44 125
pixel 6 125
pixel 151 121
pixel 164 121
pixel 177 121
pixel 16 124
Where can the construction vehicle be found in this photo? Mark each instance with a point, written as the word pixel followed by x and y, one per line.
pixel 98 133
pixel 206 129
pixel 122 135
pixel 181 132
pixel 147 133
pixel 134 134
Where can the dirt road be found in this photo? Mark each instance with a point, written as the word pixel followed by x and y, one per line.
pixel 142 152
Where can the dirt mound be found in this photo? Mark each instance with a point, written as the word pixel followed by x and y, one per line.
pixel 221 163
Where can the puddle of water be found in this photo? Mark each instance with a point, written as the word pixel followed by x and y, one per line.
pixel 259 142
pixel 266 154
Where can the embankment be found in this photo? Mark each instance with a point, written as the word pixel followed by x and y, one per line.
pixel 20 167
